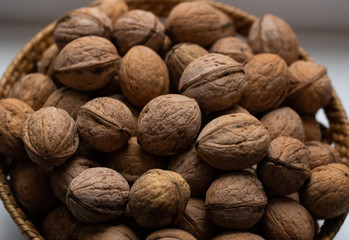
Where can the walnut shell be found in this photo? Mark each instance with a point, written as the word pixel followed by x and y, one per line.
pixel 216 81
pixel 50 136
pixel 112 8
pixel 107 232
pixel 237 236
pixel 138 27
pixel 312 128
pixel 227 25
pixel 236 200
pixel 47 60
pixel 87 63
pixel 271 34
pixel 158 198
pixel 98 195
pixel 143 76
pixel 326 194
pixel 233 142
pixel 321 154
pixel 233 47
pixel 170 233
pixel 13 113
pixel 168 124
pixel 111 88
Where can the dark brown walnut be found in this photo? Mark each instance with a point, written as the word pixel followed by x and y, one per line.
pixel 284 122
pixel 47 60
pixel 286 166
pixel 87 63
pixel 198 174
pixel 112 8
pixel 113 87
pixel 87 21
pixel 168 124
pixel 326 194
pixel 267 77
pixel 98 195
pixel 216 81
pixel 310 87
pixel 33 89
pixel 312 128
pixel 227 25
pixel 131 161
pixel 62 176
pixel 271 34
pixel 287 219
pixel 166 47
pixel 143 75
pixel 107 232
pixel 233 142
pixel 158 198
pixel 236 200
pixel 31 186
pixel 233 47
pixel 138 27
pixel 170 234
pixel 321 154
pixel 50 136
pixel 60 224
pixel 13 113
pixel 237 236
pixel 196 221
pixel 67 99
pixel 105 123
pixel 195 22
pixel 179 57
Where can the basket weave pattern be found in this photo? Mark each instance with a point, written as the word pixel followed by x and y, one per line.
pixel 26 61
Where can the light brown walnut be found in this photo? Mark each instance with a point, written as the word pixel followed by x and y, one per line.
pixel 227 25
pixel 107 232
pixel 237 236
pixel 47 60
pixel 321 154
pixel 233 47
pixel 170 234
pixel 112 8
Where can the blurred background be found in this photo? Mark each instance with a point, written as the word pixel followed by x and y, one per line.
pixel 322 28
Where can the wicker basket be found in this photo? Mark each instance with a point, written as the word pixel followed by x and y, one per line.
pixel 26 61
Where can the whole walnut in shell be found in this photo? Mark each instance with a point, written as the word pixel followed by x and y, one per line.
pixel 47 60
pixel 50 136
pixel 13 113
pixel 321 154
pixel 170 233
pixel 237 236
pixel 271 34
pixel 312 128
pixel 107 232
pixel 227 25
pixel 168 124
pixel 87 63
pixel 233 142
pixel 158 198
pixel 216 81
pixel 97 195
pixel 233 47
pixel 112 8
pixel 143 76
pixel 236 200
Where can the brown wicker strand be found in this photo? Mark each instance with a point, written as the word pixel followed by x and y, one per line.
pixel 330 228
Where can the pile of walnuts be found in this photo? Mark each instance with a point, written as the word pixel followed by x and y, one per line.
pixel 135 127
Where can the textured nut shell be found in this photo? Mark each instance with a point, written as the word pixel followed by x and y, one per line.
pixel 271 34
pixel 233 109
pixel 169 124
pixel 158 198
pixel 47 60
pixel 227 25
pixel 233 142
pixel 113 87
pixel 107 232
pixel 105 123
pixel 286 166
pixel 216 81
pixel 233 47
pixel 312 128
pixel 112 8
pixel 236 200
pixel 97 195
pixel 321 154
pixel 195 22
pixel 50 136
pixel 87 63
pixel 13 113
pixel 326 194
pixel 143 75
pixel 286 219
pixel 238 236
pixel 170 234
pixel 138 27
pixel 284 122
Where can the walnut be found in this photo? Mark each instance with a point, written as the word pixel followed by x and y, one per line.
pixel 233 47
pixel 50 136
pixel 143 75
pixel 166 47
pixel 310 87
pixel 112 8
pixel 194 170
pixel 81 22
pixel 158 198
pixel 111 88
pixel 170 233
pixel 326 194
pixel 271 34
pixel 138 27
pixel 13 113
pixel 107 232
pixel 284 122
pixel 87 63
pixel 286 219
pixel 105 124
pixel 233 109
pixel 216 81
pixel 236 200
pixel 267 77
pixel 321 154
pixel 47 60
pixel 97 195
pixel 233 142
pixel 312 128
pixel 286 166
pixel 237 236
pixel 168 124
pixel 227 24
